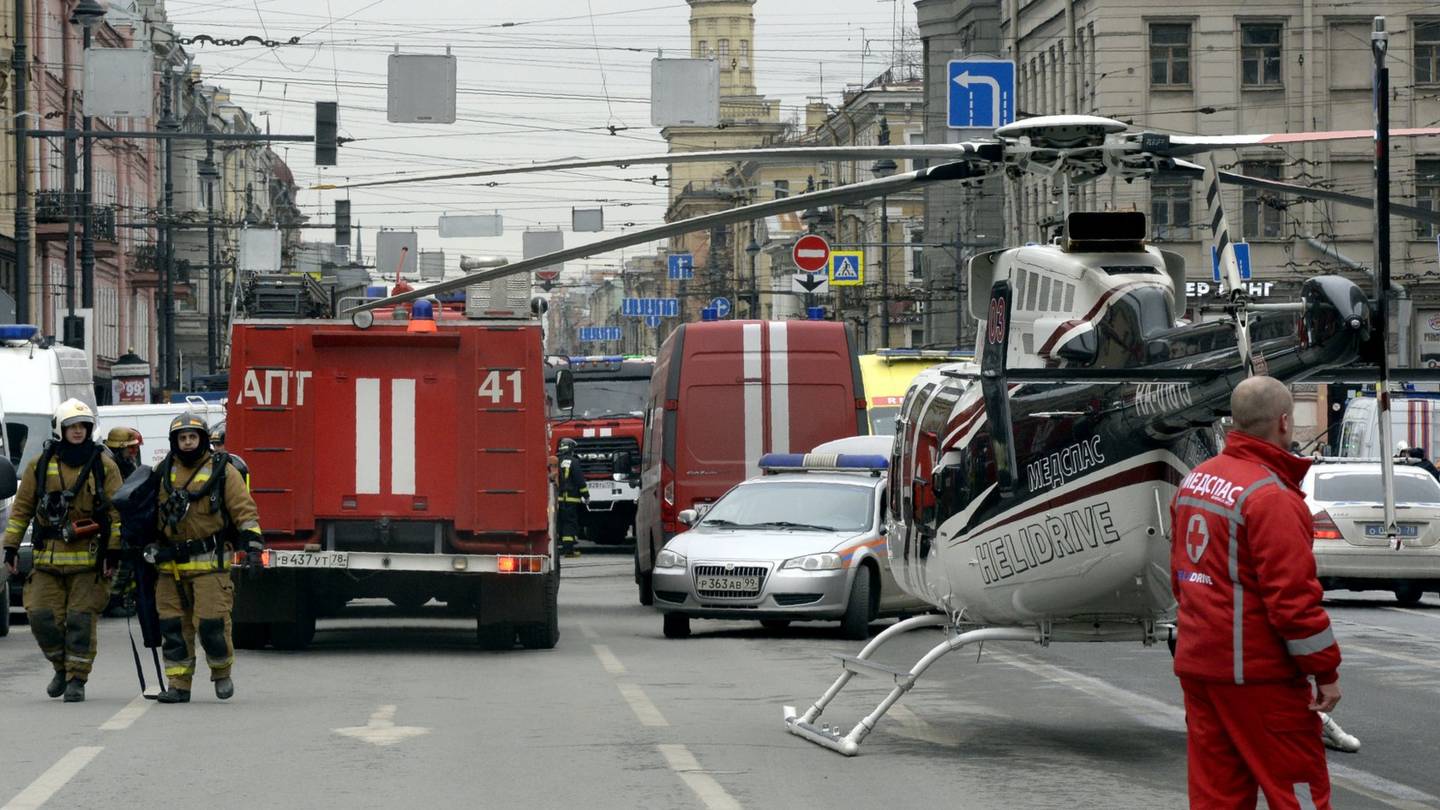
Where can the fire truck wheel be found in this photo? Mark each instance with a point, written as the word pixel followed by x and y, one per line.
pixel 677 625
pixel 295 635
pixel 498 636
pixel 642 581
pixel 250 635
pixel 544 635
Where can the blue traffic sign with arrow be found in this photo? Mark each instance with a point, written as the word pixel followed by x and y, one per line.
pixel 721 305
pixel 982 93
pixel 682 266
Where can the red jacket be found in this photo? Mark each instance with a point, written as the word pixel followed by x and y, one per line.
pixel 1244 571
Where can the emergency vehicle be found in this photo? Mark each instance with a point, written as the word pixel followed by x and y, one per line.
pixel 888 374
pixel 725 393
pixel 607 423
pixel 397 455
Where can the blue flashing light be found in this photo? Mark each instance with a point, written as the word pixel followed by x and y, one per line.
pixel 822 462
pixel 596 361
pixel 422 309
pixel 709 314
pixel 815 313
pixel 375 292
pixel 18 331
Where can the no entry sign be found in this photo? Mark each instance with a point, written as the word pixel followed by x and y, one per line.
pixel 811 253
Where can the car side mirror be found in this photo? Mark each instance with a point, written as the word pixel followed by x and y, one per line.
pixel 9 484
pixel 688 517
pixel 1082 350
pixel 564 389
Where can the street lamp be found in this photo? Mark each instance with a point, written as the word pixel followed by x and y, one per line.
pixel 753 250
pixel 209 176
pixel 882 168
pixel 87 14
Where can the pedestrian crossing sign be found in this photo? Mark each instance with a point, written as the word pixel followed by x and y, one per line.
pixel 847 268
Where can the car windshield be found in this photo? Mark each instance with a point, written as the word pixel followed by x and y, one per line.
pixel 882 420
pixel 1357 487
pixel 798 505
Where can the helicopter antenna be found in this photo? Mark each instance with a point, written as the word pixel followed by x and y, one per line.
pixel 1224 251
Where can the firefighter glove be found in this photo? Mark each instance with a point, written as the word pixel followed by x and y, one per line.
pixel 253 547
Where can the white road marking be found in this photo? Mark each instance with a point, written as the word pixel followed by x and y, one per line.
pixel 381 730
pixel 1409 659
pixel 683 763
pixel 589 632
pixel 50 782
pixel 127 715
pixel 1162 715
pixel 1429 614
pixel 608 660
pixel 640 703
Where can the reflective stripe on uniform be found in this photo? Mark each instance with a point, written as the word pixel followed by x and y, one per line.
pixel 203 562
pixel 1310 644
pixel 1196 503
pixel 180 669
pixel 1238 637
pixel 570 499
pixel 51 557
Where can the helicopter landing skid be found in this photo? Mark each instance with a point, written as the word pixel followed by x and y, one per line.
pixel 849 744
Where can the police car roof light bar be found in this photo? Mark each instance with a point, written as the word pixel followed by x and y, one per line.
pixel 824 462
pixel 24 332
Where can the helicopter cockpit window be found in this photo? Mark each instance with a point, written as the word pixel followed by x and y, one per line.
pixel 1125 330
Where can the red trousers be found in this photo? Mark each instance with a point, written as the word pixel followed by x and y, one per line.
pixel 1254 735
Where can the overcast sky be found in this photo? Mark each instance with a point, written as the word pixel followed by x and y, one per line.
pixel 538 81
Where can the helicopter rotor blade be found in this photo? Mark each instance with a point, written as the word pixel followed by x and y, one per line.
pixel 1183 167
pixel 895 184
pixel 981 151
pixel 1184 145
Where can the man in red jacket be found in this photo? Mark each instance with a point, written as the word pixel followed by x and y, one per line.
pixel 1252 632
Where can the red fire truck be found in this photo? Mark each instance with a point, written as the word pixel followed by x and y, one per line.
pixel 607 422
pixel 400 456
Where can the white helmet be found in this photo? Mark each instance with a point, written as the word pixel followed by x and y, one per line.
pixel 72 412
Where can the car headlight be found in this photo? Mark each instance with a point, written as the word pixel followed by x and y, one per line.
pixel 669 559
pixel 814 562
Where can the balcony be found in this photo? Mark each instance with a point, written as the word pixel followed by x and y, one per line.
pixel 54 211
pixel 55 206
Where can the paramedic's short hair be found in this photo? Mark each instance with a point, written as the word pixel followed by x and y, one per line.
pixel 1257 404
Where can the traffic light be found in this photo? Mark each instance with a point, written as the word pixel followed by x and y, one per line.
pixel 326 130
pixel 342 222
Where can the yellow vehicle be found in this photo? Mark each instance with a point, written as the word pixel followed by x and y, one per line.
pixel 887 375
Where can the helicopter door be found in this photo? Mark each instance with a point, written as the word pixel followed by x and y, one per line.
pixel 902 491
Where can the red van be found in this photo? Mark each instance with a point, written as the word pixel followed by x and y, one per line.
pixel 723 394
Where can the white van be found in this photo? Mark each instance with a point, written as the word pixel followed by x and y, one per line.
pixel 35 377
pixel 153 422
pixel 1414 420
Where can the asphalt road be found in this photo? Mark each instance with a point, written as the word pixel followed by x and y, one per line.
pixel 398 710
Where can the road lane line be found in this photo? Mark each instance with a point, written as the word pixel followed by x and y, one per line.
pixel 1162 715
pixel 127 715
pixel 683 763
pixel 589 632
pixel 608 660
pixel 1409 659
pixel 1429 614
pixel 641 705
pixel 50 782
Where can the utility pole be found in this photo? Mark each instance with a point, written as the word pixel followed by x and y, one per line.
pixel 19 63
pixel 884 167
pixel 212 261
pixel 88 14
pixel 164 254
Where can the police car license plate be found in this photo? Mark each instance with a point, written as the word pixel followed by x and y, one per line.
pixel 1378 530
pixel 309 559
pixel 728 584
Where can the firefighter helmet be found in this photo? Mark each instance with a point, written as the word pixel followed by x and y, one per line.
pixel 72 412
pixel 121 437
pixel 217 433
pixel 190 421
pixel 568 445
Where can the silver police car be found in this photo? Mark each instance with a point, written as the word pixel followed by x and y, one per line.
pixel 803 541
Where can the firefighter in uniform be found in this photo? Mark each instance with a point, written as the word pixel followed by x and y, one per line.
pixel 571 493
pixel 1252 632
pixel 124 444
pixel 67 491
pixel 205 513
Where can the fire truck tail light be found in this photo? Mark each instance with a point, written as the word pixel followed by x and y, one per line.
pixel 507 565
pixel 519 565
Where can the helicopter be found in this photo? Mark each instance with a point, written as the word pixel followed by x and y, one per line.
pixel 1029 490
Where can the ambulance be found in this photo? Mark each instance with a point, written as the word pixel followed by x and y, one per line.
pixel 887 375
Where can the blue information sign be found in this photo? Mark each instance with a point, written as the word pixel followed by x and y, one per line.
pixel 721 306
pixel 682 266
pixel 982 93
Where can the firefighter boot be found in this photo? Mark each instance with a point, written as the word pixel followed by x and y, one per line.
pixel 173 695
pixel 75 691
pixel 224 688
pixel 56 687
